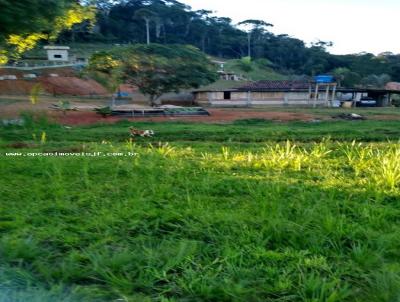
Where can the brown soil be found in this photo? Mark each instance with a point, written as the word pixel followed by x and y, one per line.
pixel 16 87
pixel 12 106
pixel 384 117
pixel 72 86
pixel 66 83
pixel 16 72
pixel 53 85
pixel 62 72
pixel 217 116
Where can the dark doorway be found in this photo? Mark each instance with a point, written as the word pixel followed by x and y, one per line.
pixel 227 95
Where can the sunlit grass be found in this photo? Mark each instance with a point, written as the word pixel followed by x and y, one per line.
pixel 283 220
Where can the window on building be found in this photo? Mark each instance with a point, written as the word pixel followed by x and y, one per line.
pixel 227 95
pixel 57 56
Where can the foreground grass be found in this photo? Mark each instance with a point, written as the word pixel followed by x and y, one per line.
pixel 221 213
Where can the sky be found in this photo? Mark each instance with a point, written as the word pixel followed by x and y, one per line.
pixel 353 26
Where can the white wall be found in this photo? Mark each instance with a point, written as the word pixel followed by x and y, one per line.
pixel 53 53
pixel 260 99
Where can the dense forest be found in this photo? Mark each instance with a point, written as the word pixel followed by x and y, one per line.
pixel 172 22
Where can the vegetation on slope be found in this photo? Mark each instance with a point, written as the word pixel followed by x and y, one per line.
pixel 260 69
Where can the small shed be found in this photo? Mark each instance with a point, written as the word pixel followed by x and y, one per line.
pixel 57 53
pixel 229 76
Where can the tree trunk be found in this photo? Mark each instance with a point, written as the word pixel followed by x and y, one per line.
pixel 112 100
pixel 249 44
pixel 203 43
pixel 148 30
pixel 72 35
pixel 187 28
pixel 164 34
pixel 158 28
pixel 155 101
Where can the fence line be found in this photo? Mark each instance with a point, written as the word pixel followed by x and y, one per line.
pixel 42 66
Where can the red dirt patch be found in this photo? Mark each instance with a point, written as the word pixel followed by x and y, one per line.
pixel 217 116
pixel 72 86
pixel 16 87
pixel 61 71
pixel 54 85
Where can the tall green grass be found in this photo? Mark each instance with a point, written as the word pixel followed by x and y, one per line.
pixel 250 211
pixel 272 221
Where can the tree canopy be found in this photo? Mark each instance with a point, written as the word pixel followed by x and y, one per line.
pixel 23 23
pixel 172 22
pixel 155 69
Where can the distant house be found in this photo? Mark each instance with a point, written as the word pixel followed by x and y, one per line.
pixel 288 93
pixel 393 86
pixel 229 76
pixel 268 93
pixel 226 75
pixel 57 53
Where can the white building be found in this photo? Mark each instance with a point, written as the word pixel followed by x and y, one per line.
pixel 57 53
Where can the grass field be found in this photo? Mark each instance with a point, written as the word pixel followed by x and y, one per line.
pixel 248 211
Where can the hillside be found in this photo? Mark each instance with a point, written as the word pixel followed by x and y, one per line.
pixel 67 82
pixel 259 69
pixel 247 71
pixel 253 70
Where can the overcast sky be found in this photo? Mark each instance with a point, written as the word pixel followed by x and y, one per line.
pixel 352 25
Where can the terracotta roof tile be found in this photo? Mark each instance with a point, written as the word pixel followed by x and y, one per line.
pixel 276 85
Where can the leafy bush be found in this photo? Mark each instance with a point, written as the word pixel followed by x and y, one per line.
pixel 245 64
pixel 104 111
pixel 396 101
pixel 264 63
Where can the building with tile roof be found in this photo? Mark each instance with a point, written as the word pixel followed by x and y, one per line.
pixel 289 93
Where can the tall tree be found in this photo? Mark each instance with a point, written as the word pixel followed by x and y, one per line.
pixel 156 69
pixel 176 23
pixel 148 16
pixel 253 26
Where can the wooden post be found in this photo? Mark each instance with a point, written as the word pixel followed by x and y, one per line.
pixel 316 95
pixel 113 101
pixel 309 93
pixel 248 98
pixel 357 98
pixel 333 94
pixel 327 95
pixel 285 100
